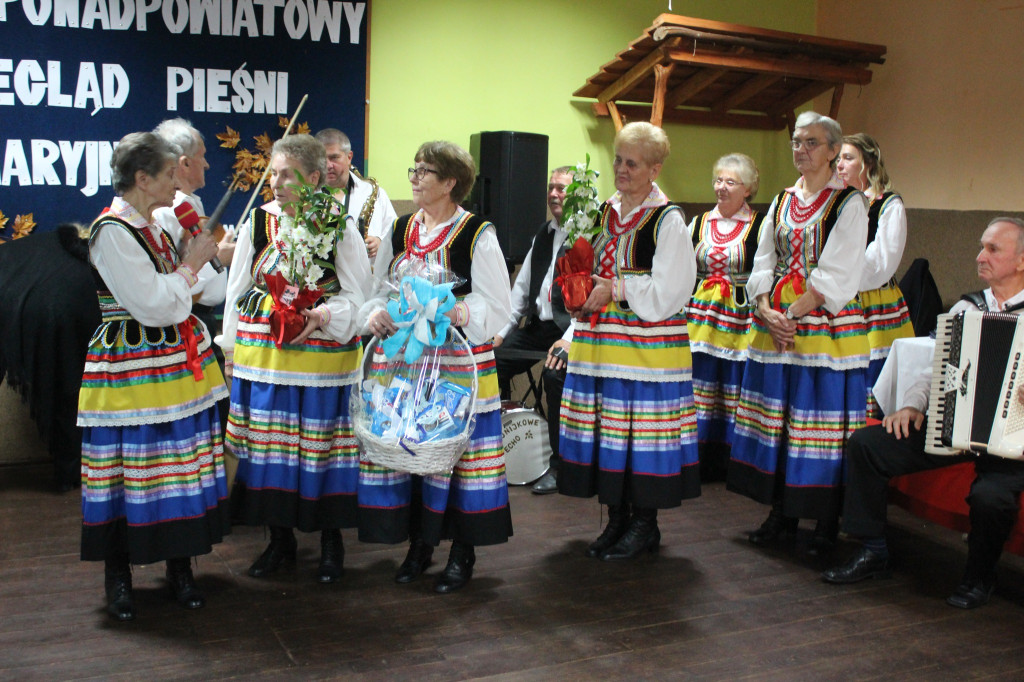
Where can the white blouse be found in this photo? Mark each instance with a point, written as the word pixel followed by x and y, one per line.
pixel 151 297
pixel 666 291
pixel 884 254
pixel 354 278
pixel 838 272
pixel 489 302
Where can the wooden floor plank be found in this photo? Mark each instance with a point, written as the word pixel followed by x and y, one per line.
pixel 708 606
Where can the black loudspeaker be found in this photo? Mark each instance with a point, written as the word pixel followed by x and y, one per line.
pixel 511 186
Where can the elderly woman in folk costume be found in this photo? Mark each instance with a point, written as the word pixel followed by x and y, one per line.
pixel 289 421
pixel 885 312
pixel 628 431
pixel 470 505
pixel 153 485
pixel 803 388
pixel 725 240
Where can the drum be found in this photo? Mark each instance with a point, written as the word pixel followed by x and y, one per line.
pixel 524 434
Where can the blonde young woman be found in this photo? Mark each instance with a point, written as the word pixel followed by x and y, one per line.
pixel 885 312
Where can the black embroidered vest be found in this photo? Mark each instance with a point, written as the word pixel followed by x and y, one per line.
pixel 455 255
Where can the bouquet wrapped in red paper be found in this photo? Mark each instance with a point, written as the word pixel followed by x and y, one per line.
pixel 306 243
pixel 580 213
pixel 286 319
pixel 574 269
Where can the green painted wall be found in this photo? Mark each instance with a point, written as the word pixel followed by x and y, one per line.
pixel 448 69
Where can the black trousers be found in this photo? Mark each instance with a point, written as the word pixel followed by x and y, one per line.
pixel 536 335
pixel 874 456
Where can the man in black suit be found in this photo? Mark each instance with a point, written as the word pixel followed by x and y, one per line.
pixel 535 299
pixel 877 453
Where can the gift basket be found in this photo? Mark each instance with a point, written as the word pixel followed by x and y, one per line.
pixel 414 410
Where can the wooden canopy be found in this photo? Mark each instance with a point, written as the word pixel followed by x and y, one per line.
pixel 702 72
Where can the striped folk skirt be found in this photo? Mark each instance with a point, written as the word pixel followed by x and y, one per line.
pixel 299 461
pixel 887 319
pixel 155 490
pixel 628 441
pixel 469 506
pixel 792 426
pixel 716 392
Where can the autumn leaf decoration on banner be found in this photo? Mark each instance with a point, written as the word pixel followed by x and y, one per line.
pixel 22 227
pixel 249 165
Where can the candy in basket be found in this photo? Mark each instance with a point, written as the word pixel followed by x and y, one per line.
pixel 414 410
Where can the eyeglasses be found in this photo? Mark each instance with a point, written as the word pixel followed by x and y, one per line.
pixel 728 182
pixel 809 144
pixel 420 173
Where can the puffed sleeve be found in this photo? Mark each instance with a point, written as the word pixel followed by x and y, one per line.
pixel 667 289
pixel 239 281
pixel 884 254
pixel 520 294
pixel 490 300
pixel 837 275
pixel 762 274
pixel 153 298
pixel 353 268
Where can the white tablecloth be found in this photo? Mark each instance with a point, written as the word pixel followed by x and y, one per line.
pixel 907 359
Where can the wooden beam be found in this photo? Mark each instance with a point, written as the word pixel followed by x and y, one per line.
pixel 875 52
pixel 744 92
pixel 637 73
pixel 837 96
pixel 804 94
pixel 702 117
pixel 693 85
pixel 791 122
pixel 662 73
pixel 779 67
pixel 613 111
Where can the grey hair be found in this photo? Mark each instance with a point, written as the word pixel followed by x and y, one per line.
pixel 833 131
pixel 334 136
pixel 744 167
pixel 180 133
pixel 308 151
pixel 146 152
pixel 1013 221
pixel 563 170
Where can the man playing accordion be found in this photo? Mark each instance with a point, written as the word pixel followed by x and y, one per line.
pixel 877 453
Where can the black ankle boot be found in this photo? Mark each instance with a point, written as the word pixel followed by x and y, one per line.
pixel 117 580
pixel 823 540
pixel 459 569
pixel 642 534
pixel 618 520
pixel 280 550
pixel 416 561
pixel 332 556
pixel 776 528
pixel 183 584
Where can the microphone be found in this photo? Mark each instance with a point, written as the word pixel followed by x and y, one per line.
pixel 188 217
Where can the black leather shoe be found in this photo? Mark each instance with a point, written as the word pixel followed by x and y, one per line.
pixel 618 521
pixel 459 569
pixel 642 534
pixel 546 485
pixel 118 584
pixel 183 584
pixel 282 548
pixel 416 561
pixel 971 593
pixel 823 540
pixel 861 566
pixel 332 556
pixel 776 528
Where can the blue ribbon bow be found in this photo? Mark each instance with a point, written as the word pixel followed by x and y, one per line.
pixel 419 314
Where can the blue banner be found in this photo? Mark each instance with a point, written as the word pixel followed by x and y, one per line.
pixel 77 75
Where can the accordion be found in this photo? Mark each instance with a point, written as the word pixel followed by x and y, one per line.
pixel 973 401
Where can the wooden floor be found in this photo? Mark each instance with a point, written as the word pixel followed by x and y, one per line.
pixel 710 606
